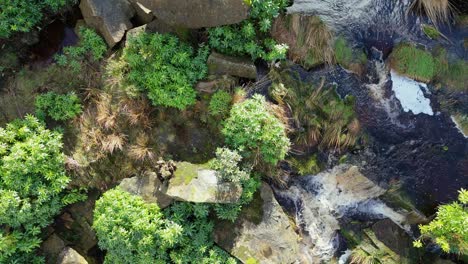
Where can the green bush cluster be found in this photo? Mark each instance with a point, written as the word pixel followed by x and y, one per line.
pixel 220 103
pixel 448 229
pixel 22 16
pixel 251 37
pixel 58 107
pixel 251 128
pixel 91 47
pixel 165 68
pixel 32 187
pixel 132 231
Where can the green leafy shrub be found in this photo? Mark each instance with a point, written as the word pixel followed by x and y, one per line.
pixel 91 47
pixel 252 128
pixel 448 229
pixel 58 107
pixel 22 16
pixel 416 63
pixel 132 231
pixel 220 103
pixel 163 67
pixel 250 37
pixel 32 187
pixel 226 165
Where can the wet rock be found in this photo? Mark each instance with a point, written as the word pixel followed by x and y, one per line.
pixel 196 183
pixel 111 18
pixel 52 247
pixel 149 187
pixel 240 67
pixel 352 182
pixel 262 233
pixel 198 14
pixel 70 256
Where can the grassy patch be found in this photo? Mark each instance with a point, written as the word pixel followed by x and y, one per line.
pixel 306 165
pixel 430 31
pixel 186 172
pixel 349 58
pixel 413 62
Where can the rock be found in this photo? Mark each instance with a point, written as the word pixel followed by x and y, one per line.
pixel 149 187
pixel 240 67
pixel 158 26
pixel 52 247
pixel 200 13
pixel 143 14
pixel 262 233
pixel 215 83
pixel 352 182
pixel 70 256
pixel 392 236
pixel 196 183
pixel 111 18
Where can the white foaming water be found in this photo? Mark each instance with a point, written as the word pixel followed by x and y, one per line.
pixel 321 200
pixel 410 95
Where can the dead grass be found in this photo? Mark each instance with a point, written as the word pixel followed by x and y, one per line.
pixel 438 11
pixel 309 39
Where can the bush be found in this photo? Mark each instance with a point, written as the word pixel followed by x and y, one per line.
pixel 91 47
pixel 226 165
pixel 220 103
pixel 252 128
pixel 132 231
pixel 251 36
pixel 22 16
pixel 32 185
pixel 165 68
pixel 448 229
pixel 58 107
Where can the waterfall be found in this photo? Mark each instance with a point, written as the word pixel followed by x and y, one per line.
pixel 321 200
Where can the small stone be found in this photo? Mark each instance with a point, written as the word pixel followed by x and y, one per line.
pixel 70 256
pixel 241 67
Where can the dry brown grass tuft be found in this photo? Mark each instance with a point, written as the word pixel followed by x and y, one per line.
pixel 438 11
pixel 309 39
pixel 113 142
pixel 141 151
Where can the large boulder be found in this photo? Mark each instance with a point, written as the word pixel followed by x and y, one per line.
pixel 52 247
pixel 263 232
pixel 241 67
pixel 111 18
pixel 159 26
pixel 70 256
pixel 196 183
pixel 149 187
pixel 199 13
pixel 394 237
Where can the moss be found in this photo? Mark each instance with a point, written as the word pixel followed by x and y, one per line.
pixel 413 62
pixel 348 57
pixel 430 31
pixel 306 166
pixel 352 239
pixel 254 211
pixel 455 76
pixel 252 261
pixel 186 172
pixel 396 198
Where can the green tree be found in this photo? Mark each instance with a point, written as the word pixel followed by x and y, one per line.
pixel 132 231
pixel 449 228
pixel 163 67
pixel 251 128
pixel 58 107
pixel 32 187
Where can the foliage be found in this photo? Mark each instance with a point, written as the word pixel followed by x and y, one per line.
pixel 416 63
pixel 346 56
pixel 306 166
pixel 448 229
pixel 132 231
pixel 58 107
pixel 32 184
pixel 319 116
pixel 220 103
pixel 250 37
pixel 252 128
pixel 438 12
pixel 22 16
pixel 163 67
pixel 91 46
pixel 226 165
